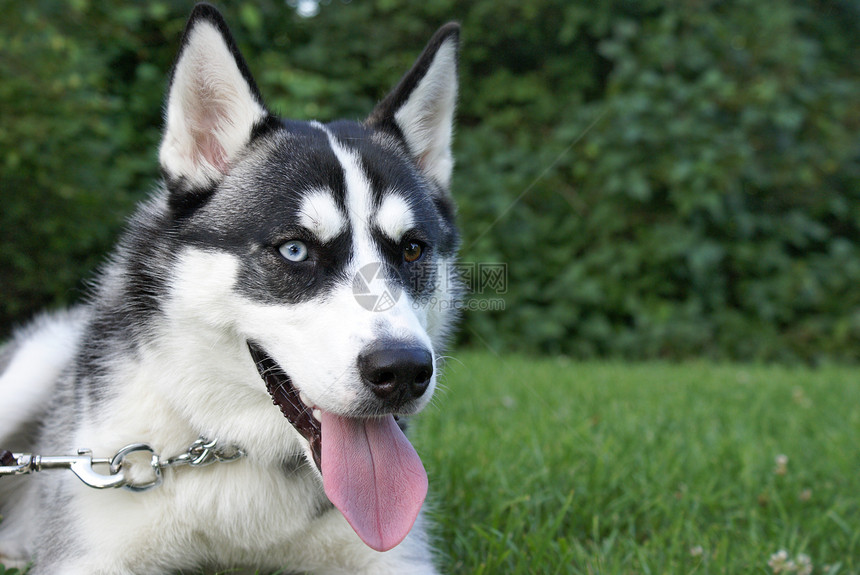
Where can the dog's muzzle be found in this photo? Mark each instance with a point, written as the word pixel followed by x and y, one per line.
pixel 370 471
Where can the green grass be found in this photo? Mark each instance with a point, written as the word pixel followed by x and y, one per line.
pixel 551 466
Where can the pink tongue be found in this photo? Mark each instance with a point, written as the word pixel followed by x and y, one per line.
pixel 374 476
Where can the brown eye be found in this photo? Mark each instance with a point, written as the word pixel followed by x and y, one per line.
pixel 412 252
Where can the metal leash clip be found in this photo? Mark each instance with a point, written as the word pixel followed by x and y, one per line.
pixel 83 465
pixel 200 453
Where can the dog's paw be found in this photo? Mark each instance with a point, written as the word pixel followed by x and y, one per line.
pixel 9 563
pixel 13 555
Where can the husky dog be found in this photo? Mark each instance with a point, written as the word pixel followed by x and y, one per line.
pixel 236 287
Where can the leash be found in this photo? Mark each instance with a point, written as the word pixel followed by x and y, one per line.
pixel 199 454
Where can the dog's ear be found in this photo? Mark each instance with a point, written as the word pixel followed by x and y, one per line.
pixel 421 107
pixel 212 105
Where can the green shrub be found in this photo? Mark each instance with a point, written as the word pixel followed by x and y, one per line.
pixel 663 179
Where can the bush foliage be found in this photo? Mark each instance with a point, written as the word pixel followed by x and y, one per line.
pixel 663 179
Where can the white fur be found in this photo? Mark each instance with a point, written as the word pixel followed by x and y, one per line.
pixel 211 110
pixel 43 352
pixel 427 117
pixel 395 217
pixel 321 216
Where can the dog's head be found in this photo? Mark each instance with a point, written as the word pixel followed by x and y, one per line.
pixel 326 251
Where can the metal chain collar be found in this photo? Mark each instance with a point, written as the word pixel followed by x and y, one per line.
pixel 199 454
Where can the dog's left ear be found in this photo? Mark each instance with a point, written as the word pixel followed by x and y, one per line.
pixel 213 104
pixel 421 106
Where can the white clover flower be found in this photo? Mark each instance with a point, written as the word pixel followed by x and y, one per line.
pixel 804 564
pixel 778 561
pixel 696 551
pixel 781 464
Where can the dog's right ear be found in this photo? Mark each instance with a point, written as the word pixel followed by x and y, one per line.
pixel 213 105
pixel 421 107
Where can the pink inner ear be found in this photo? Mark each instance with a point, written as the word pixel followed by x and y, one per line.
pixel 211 150
pixel 206 122
pixel 425 161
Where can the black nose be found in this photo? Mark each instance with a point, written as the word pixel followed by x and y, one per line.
pixel 396 373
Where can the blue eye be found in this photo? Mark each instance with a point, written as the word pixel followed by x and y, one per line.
pixel 294 251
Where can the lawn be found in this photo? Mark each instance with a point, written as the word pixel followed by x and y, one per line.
pixel 543 466
pixel 552 466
